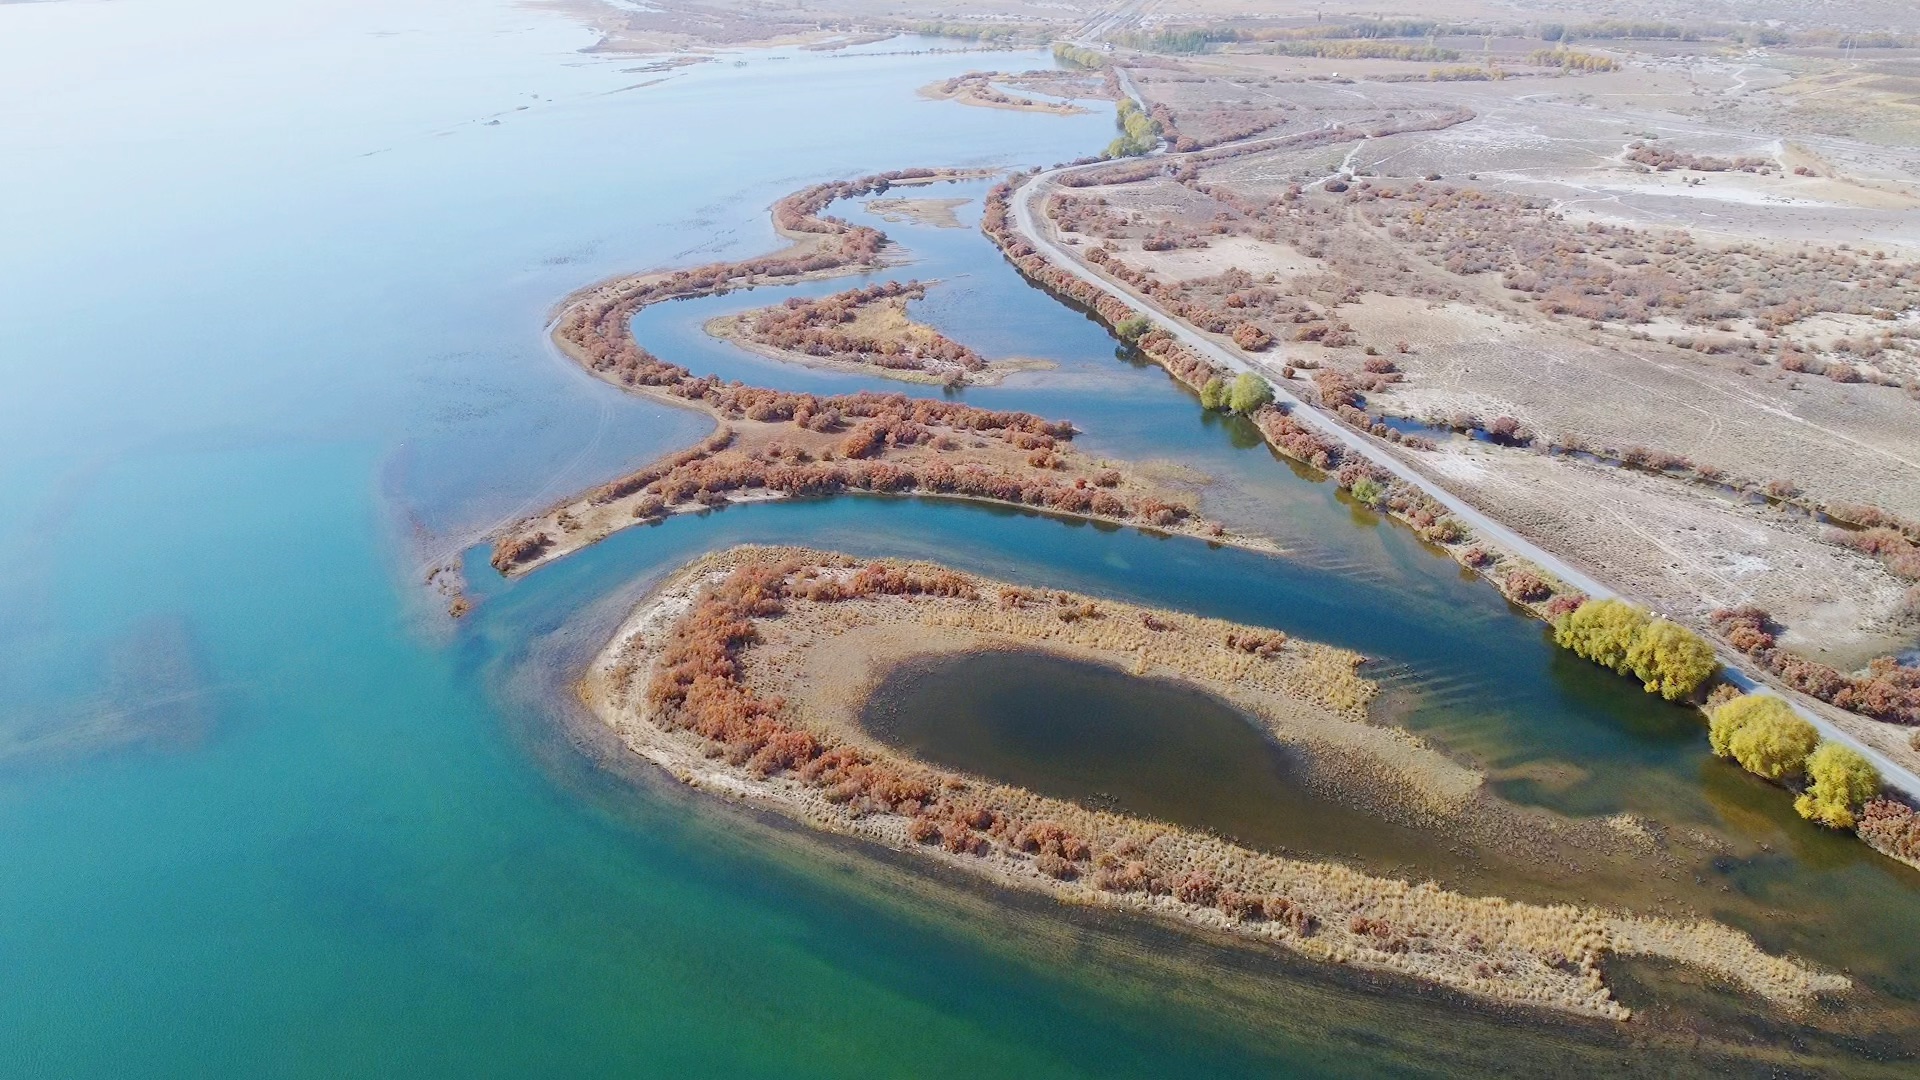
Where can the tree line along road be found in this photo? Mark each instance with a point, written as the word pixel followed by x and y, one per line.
pixel 1892 773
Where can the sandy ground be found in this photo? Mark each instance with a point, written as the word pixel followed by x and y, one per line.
pixel 1693 549
pixel 1539 956
pixel 938 213
pixel 1488 354
pixel 879 321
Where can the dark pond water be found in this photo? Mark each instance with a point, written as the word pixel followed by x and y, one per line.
pixel 1103 738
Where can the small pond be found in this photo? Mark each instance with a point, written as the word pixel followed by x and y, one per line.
pixel 1151 747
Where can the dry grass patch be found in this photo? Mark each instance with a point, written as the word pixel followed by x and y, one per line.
pixel 686 684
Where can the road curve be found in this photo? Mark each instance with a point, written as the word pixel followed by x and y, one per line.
pixel 1892 773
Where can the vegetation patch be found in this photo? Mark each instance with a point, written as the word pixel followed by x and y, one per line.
pixel 1667 658
pixel 1764 736
pixel 684 683
pixel 978 88
pixel 864 329
pixel 775 443
pixel 1139 132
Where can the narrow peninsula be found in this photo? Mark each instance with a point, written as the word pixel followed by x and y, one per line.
pixel 867 331
pixel 778 444
pixel 741 675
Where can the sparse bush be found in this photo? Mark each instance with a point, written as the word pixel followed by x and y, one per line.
pixel 1562 604
pixel 1505 429
pixel 514 550
pixel 1527 587
pixel 1747 628
pixel 1890 826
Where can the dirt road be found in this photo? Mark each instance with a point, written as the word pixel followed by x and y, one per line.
pixel 1894 774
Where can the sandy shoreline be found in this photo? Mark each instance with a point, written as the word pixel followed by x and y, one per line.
pixel 975 88
pixel 729 328
pixel 1545 956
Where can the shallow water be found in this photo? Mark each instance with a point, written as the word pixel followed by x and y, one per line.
pixel 275 286
pixel 1103 738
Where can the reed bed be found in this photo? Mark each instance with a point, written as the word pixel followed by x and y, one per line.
pixel 683 685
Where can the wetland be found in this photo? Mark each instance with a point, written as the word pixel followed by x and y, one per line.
pixel 416 847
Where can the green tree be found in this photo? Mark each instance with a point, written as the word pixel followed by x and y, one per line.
pixel 1075 56
pixel 1141 132
pixel 1132 327
pixel 1671 660
pixel 1841 779
pixel 1214 394
pixel 1762 733
pixel 1249 392
pixel 1367 490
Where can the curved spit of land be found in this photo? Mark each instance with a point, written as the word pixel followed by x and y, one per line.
pixel 775 444
pixel 1301 415
pixel 744 672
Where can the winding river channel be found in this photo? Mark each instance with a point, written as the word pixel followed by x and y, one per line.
pixel 275 299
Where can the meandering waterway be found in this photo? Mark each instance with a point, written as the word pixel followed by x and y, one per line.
pixel 266 811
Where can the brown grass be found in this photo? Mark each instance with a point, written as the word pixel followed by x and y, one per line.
pixel 776 443
pixel 682 685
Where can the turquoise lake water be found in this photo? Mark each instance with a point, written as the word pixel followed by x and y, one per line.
pixel 274 295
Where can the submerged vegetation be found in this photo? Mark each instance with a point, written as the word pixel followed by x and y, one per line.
pixel 712 679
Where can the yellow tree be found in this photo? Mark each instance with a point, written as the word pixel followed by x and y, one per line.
pixel 1602 631
pixel 1671 660
pixel 1762 733
pixel 1841 779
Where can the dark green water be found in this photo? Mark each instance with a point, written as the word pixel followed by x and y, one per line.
pixel 274 291
pixel 1103 738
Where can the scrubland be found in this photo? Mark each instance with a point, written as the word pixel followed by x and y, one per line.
pixel 778 444
pixel 866 329
pixel 716 678
pixel 1609 326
